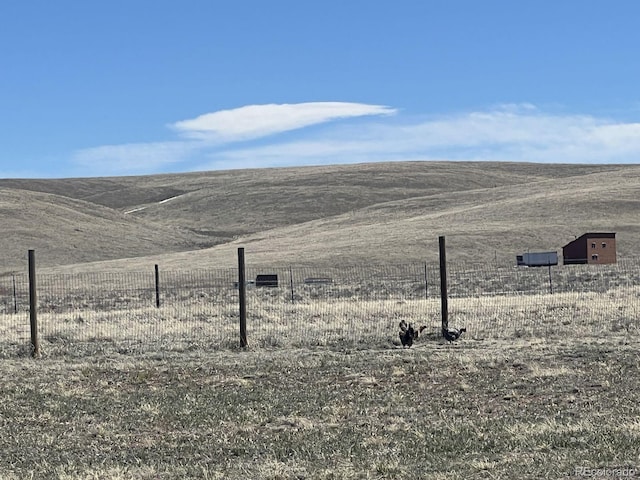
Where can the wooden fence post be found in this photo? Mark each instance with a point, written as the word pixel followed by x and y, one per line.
pixel 157 286
pixel 242 289
pixel 443 285
pixel 33 304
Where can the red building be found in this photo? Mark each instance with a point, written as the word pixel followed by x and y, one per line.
pixel 596 248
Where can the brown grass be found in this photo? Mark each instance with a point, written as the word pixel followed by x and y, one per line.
pixel 340 322
pixel 479 409
pixel 541 385
pixel 387 212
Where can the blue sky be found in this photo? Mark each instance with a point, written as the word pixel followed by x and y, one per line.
pixel 142 87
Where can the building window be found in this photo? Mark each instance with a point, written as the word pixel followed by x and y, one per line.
pixel 593 245
pixel 604 244
pixel 594 257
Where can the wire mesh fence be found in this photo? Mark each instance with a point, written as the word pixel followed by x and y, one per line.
pixel 299 306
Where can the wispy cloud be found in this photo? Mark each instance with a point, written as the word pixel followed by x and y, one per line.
pixel 529 136
pixel 206 133
pixel 134 158
pixel 513 132
pixel 505 133
pixel 255 121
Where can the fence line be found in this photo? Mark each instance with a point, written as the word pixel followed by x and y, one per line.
pixel 357 305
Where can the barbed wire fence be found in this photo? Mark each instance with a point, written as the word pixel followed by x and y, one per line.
pixel 358 306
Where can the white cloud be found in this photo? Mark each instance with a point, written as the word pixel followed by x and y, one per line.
pixel 502 134
pixel 505 133
pixel 255 121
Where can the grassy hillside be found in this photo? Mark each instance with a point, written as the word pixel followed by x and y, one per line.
pixel 63 230
pixel 330 215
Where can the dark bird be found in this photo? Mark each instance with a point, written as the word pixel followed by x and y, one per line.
pixel 408 334
pixel 452 334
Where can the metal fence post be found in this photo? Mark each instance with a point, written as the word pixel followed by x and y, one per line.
pixel 15 295
pixel 157 269
pixel 291 281
pixel 426 282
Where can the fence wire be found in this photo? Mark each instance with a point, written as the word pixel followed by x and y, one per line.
pixel 303 306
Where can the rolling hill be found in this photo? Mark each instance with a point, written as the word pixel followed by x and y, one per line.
pixel 64 230
pixel 330 215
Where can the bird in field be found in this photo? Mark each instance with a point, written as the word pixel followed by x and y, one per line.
pixel 452 334
pixel 408 334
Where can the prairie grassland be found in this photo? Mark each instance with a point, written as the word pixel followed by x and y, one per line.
pixel 273 320
pixel 540 385
pixel 506 408
pixel 376 212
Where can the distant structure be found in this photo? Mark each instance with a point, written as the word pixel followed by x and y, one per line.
pixel 593 248
pixel 537 259
pixel 267 280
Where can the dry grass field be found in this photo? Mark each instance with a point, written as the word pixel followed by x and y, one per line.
pixel 333 215
pixel 543 385
pixel 211 323
pixel 526 409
